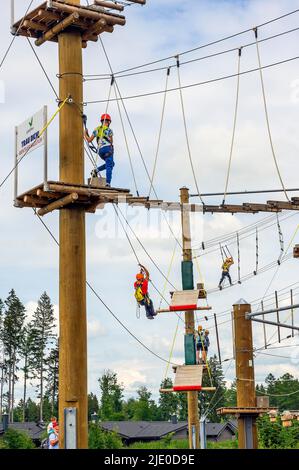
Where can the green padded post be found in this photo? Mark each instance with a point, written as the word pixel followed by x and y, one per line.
pixel 187 275
pixel 190 353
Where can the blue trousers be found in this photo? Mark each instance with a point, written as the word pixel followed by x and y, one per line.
pixel 149 307
pixel 224 275
pixel 106 154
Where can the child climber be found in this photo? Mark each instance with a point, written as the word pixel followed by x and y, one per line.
pixel 104 136
pixel 202 345
pixel 141 292
pixel 225 271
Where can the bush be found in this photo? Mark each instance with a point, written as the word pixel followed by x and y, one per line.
pixel 100 439
pixel 16 440
pixel 275 436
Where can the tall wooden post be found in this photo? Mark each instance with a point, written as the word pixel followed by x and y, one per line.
pixel 72 295
pixel 188 283
pixel 246 396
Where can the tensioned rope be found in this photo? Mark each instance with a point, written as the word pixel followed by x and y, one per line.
pixel 99 77
pixel 210 43
pixel 160 133
pixel 105 305
pixel 125 138
pixel 15 35
pixel 267 114
pixel 186 129
pixel 205 82
pixel 234 127
pixel 135 139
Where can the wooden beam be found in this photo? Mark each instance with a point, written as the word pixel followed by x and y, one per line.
pixel 47 194
pixel 87 190
pixel 94 15
pixel 34 25
pixel 57 29
pixel 49 15
pixel 65 201
pixel 184 310
pixel 110 5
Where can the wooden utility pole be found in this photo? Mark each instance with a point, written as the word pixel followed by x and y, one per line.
pixel 72 284
pixel 188 283
pixel 246 397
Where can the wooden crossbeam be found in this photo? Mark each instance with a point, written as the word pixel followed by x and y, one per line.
pixel 65 201
pixel 57 29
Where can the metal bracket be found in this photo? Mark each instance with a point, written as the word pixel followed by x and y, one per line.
pixel 70 428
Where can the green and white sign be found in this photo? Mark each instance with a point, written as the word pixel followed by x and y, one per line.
pixel 28 134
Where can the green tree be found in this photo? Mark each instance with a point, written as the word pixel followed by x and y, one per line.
pixel 168 402
pixel 93 404
pixel 111 396
pixel 14 439
pixel 100 439
pixel 208 403
pixel 14 317
pixel 44 324
pixel 32 411
pixel 27 354
pixel 231 395
pixel 52 376
pixel 3 368
pixel 129 408
pixel 144 405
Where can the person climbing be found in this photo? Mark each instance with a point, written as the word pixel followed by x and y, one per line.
pixel 202 345
pixel 104 136
pixel 141 292
pixel 225 271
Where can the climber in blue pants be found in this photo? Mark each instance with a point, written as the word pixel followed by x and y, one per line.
pixel 104 136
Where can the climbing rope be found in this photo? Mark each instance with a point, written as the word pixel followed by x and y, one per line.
pixel 172 348
pixel 167 276
pixel 239 259
pixel 160 132
pixel 234 126
pixel 221 251
pixel 186 130
pixel 266 113
pixel 281 240
pixel 256 251
pixel 125 138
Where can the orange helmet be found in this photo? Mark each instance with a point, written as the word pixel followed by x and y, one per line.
pixel 139 276
pixel 105 117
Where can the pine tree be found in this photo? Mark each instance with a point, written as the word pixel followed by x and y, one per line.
pixel 27 353
pixel 52 377
pixel 168 402
pixel 208 403
pixel 93 405
pixel 44 323
pixel 3 369
pixel 14 317
pixel 111 395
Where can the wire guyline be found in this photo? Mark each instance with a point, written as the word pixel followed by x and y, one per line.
pixel 192 85
pixel 207 44
pixel 99 77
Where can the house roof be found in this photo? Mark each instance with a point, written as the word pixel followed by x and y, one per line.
pixel 158 429
pixel 143 429
pixel 35 431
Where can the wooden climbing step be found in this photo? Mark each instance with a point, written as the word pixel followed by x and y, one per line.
pixel 183 301
pixel 188 378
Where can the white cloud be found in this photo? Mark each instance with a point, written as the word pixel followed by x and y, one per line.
pixel 29 258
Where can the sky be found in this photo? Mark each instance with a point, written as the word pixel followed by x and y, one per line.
pixel 164 28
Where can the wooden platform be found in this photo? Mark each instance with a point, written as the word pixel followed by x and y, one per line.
pixel 52 17
pixel 255 411
pixel 188 378
pixel 83 196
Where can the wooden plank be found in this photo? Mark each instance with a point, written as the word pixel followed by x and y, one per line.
pixel 184 297
pixel 57 29
pixel 110 5
pixel 85 13
pixel 188 377
pixel 59 204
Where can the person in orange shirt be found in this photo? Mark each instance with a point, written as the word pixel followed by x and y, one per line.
pixel 141 292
